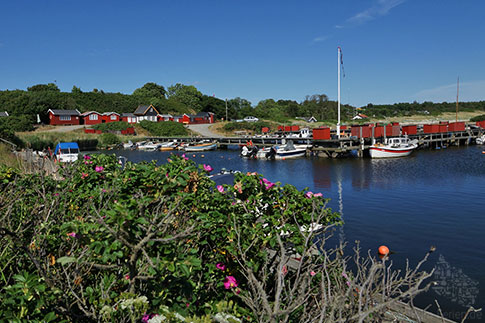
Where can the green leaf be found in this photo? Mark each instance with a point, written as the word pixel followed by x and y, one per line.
pixel 66 260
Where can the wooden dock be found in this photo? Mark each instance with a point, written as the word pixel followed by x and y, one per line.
pixel 340 147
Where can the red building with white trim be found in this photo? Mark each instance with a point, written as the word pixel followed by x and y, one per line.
pixel 110 117
pixel 91 117
pixel 64 117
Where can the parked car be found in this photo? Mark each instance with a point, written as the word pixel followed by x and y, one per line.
pixel 251 119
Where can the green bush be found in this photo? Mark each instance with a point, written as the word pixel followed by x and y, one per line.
pixel 478 118
pixel 17 123
pixel 109 139
pixel 137 240
pixel 165 128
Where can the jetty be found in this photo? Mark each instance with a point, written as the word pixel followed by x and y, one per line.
pixel 327 143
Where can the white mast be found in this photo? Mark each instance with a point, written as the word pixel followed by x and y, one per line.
pixel 338 96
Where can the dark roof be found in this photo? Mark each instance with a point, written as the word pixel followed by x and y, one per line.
pixel 142 109
pixel 4 114
pixel 64 112
pixel 202 114
pixel 127 114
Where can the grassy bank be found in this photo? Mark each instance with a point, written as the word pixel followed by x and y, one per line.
pixel 8 158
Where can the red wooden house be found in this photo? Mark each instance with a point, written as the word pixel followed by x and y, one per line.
pixel 64 117
pixel 91 117
pixel 111 117
pixel 164 117
pixel 128 117
pixel 202 117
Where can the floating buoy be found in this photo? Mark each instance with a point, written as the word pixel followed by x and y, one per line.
pixel 193 155
pixel 202 156
pixel 483 152
pixel 383 250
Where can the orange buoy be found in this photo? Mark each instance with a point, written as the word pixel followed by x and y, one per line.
pixel 193 155
pixel 202 156
pixel 383 250
pixel 483 152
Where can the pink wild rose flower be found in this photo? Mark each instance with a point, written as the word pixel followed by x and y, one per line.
pixel 230 282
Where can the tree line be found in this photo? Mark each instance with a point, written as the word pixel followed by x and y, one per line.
pixel 180 98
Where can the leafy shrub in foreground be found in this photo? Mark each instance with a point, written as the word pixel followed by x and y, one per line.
pixel 111 244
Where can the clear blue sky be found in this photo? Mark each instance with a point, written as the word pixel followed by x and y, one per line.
pixel 393 50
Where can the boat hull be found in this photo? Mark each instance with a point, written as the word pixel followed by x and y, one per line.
pixel 203 147
pixel 297 153
pixel 387 152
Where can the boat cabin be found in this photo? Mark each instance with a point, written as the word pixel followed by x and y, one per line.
pixel 398 142
pixel 67 151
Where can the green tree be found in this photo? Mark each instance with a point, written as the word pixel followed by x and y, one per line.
pixel 214 105
pixel 151 90
pixel 187 95
pixel 76 90
pixel 43 87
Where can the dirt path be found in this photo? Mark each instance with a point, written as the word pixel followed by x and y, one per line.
pixel 63 128
pixel 203 130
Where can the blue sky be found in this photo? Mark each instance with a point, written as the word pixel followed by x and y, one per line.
pixel 393 50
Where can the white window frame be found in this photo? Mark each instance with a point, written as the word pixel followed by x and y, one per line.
pixel 65 118
pixel 93 116
pixel 113 117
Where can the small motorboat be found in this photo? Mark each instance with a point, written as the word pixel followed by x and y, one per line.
pixel 249 151
pixel 480 140
pixel 393 147
pixel 266 153
pixel 201 147
pixel 290 150
pixel 148 146
pixel 66 152
pixel 171 145
pixel 128 145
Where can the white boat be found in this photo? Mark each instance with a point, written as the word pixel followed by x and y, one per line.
pixel 201 147
pixel 67 152
pixel 168 145
pixel 128 145
pixel 266 153
pixel 393 147
pixel 290 151
pixel 148 146
pixel 249 151
pixel 480 140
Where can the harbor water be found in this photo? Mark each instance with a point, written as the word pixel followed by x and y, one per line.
pixel 431 198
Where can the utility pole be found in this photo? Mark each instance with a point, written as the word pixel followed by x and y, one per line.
pixel 226 111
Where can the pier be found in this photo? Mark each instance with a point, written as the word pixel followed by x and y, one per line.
pixel 335 147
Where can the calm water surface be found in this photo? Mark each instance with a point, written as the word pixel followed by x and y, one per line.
pixel 434 197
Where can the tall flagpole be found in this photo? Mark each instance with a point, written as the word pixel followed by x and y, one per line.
pixel 457 92
pixel 338 97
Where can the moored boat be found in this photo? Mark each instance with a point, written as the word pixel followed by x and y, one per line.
pixel 148 146
pixel 393 147
pixel 171 145
pixel 290 150
pixel 201 147
pixel 67 152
